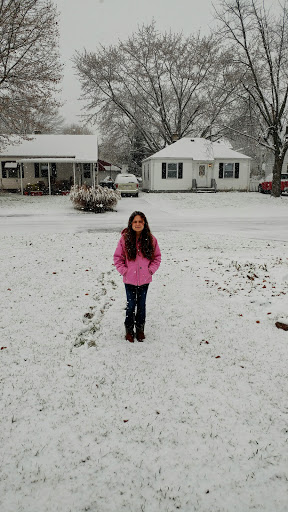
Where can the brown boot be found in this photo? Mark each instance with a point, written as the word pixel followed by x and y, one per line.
pixel 129 335
pixel 140 333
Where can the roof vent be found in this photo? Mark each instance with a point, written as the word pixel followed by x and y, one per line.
pixel 192 140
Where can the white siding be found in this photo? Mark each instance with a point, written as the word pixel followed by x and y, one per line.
pixel 241 183
pixel 190 171
pixel 269 162
pixel 171 184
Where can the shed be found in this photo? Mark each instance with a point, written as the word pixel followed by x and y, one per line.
pixel 196 164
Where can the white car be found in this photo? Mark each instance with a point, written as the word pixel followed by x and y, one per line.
pixel 127 184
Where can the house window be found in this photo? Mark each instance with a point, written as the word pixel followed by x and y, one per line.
pixel 10 170
pixel 201 170
pixel 86 171
pixel 229 170
pixel 43 170
pixel 54 170
pixel 172 170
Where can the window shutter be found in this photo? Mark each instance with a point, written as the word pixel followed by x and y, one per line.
pixel 36 169
pixel 163 171
pixel 237 165
pixel 220 170
pixel 22 170
pixel 4 171
pixel 180 171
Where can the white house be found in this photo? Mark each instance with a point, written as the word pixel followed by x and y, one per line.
pixel 196 164
pixel 48 159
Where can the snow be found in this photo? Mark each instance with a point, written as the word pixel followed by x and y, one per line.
pixel 196 148
pixel 83 148
pixel 194 418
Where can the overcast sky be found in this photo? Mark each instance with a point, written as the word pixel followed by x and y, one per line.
pixel 88 23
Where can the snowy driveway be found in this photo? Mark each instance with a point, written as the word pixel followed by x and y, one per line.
pixel 245 215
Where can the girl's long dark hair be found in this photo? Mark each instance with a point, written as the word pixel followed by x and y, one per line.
pixel 146 239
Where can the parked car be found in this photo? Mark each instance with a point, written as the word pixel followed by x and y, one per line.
pixel 265 186
pixel 127 184
pixel 107 183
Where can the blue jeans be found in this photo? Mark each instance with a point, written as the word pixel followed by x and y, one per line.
pixel 136 300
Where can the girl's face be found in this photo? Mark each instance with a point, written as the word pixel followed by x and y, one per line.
pixel 138 224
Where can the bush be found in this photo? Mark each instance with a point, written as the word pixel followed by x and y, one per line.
pixel 94 199
pixel 36 187
pixel 60 186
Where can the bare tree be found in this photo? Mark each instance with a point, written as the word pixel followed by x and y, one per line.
pixel 259 41
pixel 29 62
pixel 42 122
pixel 76 129
pixel 159 83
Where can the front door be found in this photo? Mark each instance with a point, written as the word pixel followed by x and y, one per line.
pixel 202 175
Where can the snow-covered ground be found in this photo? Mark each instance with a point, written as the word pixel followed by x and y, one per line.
pixel 194 418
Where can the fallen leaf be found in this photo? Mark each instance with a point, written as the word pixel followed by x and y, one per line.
pixel 217 357
pixel 125 421
pixel 86 293
pixel 269 313
pixel 2 348
pixel 257 321
pixel 281 325
pixel 54 272
pixel 9 289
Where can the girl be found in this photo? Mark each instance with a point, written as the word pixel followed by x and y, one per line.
pixel 136 258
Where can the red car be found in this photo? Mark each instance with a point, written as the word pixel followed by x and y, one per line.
pixel 266 186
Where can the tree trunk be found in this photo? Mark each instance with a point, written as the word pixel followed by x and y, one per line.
pixel 276 182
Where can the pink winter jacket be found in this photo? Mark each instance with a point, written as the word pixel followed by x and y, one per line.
pixel 140 270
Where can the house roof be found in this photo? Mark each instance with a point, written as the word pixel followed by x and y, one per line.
pixel 78 148
pixel 196 148
pixel 106 166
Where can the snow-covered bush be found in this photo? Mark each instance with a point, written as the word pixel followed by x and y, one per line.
pixel 95 199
